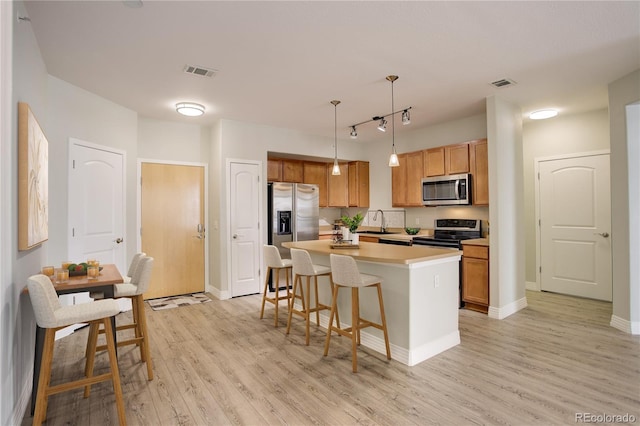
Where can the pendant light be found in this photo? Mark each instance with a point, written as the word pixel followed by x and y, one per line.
pixel 393 159
pixel 336 167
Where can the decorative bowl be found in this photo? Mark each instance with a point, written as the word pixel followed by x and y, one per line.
pixel 412 231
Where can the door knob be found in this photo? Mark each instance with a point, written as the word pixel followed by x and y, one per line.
pixel 235 236
pixel 118 240
pixel 602 234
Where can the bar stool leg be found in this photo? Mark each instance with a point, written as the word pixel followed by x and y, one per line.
pixel 384 322
pixel 334 310
pixel 276 286
pixel 142 323
pixel 45 377
pixel 355 329
pixel 264 293
pixel 115 372
pixel 307 311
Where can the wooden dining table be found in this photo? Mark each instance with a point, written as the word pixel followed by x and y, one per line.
pixel 104 283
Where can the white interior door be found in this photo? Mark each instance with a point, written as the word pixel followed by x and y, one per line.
pixel 575 223
pixel 96 204
pixel 244 219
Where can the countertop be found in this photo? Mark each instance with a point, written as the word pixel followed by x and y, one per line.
pixel 381 253
pixel 476 242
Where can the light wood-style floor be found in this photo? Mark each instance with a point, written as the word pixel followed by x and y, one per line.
pixel 217 363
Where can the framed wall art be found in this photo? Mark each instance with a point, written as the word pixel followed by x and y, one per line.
pixel 33 180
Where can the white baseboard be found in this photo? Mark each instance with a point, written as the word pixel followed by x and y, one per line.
pixel 533 286
pixel 220 295
pixel 510 309
pixel 22 404
pixel 622 324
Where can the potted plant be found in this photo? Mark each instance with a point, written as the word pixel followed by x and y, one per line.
pixel 352 224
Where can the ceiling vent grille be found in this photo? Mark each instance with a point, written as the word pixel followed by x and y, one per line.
pixel 503 82
pixel 201 71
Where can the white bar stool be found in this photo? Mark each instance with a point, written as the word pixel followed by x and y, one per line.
pixel 51 316
pixel 274 262
pixel 304 267
pixel 346 274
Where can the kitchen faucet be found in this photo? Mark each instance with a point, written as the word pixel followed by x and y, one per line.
pixel 375 217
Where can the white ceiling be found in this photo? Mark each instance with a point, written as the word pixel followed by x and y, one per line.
pixel 281 63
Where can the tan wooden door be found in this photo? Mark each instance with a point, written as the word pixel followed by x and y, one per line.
pixel 172 218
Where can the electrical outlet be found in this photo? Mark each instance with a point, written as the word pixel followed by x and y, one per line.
pixel 436 281
pixel 417 221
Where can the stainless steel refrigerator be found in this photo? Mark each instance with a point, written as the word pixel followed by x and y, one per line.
pixel 293 214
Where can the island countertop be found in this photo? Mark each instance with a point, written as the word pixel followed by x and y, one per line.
pixel 373 252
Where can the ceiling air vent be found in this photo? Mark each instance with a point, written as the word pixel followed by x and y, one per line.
pixel 503 82
pixel 201 71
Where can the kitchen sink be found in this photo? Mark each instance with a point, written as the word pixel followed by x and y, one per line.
pixel 379 232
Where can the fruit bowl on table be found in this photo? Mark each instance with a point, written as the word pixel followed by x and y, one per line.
pixel 412 231
pixel 80 272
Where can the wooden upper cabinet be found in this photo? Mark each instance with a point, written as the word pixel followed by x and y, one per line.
pixel 479 165
pixel 359 184
pixel 406 180
pixel 434 162
pixel 316 173
pixel 292 171
pixel 456 159
pixel 338 186
pixel 274 170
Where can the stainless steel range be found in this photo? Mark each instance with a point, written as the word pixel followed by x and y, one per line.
pixel 448 233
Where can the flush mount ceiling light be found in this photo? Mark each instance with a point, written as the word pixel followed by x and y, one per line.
pixel 336 167
pixel 190 109
pixel 543 113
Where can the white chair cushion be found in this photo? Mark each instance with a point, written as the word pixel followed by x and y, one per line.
pixel 321 269
pixel 369 279
pixel 125 290
pixel 85 312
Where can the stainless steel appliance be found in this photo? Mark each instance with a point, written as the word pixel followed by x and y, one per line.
pixel 448 233
pixel 446 190
pixel 293 214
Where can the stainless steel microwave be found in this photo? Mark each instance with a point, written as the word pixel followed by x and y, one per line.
pixel 446 190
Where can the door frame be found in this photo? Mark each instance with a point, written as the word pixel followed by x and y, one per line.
pixel 261 219
pixel 537 161
pixel 207 286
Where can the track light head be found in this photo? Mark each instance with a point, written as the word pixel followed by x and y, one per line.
pixel 353 133
pixel 383 125
pixel 406 118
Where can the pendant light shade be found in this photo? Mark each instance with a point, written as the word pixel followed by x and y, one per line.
pixel 393 159
pixel 336 167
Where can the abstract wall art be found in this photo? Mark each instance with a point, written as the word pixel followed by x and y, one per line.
pixel 33 181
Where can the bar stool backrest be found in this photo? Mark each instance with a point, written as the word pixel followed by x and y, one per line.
pixel 142 276
pixel 345 271
pixel 44 300
pixel 135 261
pixel 302 264
pixel 272 258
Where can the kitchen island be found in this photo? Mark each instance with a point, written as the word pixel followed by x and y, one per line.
pixel 420 291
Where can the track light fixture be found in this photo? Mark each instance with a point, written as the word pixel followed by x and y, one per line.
pixel 406 118
pixel 353 134
pixel 336 167
pixel 383 125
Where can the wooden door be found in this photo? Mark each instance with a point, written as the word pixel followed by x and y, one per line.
pixel 456 158
pixel 316 173
pixel 479 164
pixel 434 162
pixel 172 217
pixel 575 222
pixel 244 224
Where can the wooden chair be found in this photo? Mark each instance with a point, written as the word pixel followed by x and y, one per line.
pixel 304 267
pixel 51 316
pixel 346 274
pixel 135 290
pixel 274 262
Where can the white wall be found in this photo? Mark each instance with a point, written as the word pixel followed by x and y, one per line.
pixel 572 134
pixel 626 308
pixel 506 257
pixel 173 141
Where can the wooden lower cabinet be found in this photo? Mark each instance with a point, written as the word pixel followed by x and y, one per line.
pixel 475 277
